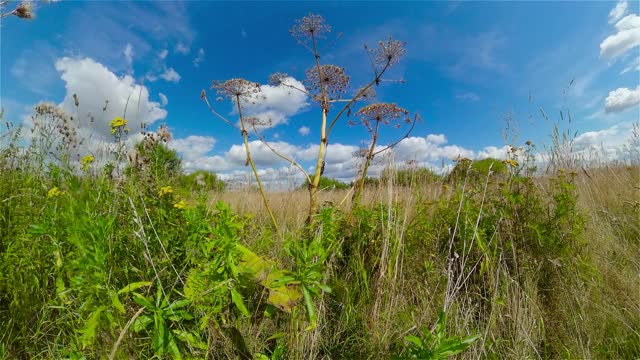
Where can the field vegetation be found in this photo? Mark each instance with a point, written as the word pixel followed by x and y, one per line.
pixel 126 256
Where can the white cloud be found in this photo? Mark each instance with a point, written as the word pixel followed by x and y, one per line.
pixel 182 49
pixel 163 99
pixel 634 65
pixel 622 99
pixel 467 96
pixel 304 131
pixel 128 55
pixel 627 37
pixel 193 147
pixel 94 84
pixel 618 11
pixel 437 139
pixel 163 54
pixel 279 102
pixel 199 58
pixel 170 75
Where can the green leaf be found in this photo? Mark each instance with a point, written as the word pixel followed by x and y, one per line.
pixel 115 301
pixel 311 313
pixel 141 323
pixel 178 304
pixel 133 286
pixel 88 333
pixel 141 300
pixel 237 300
pixel 284 297
pixel 159 334
pixel 414 340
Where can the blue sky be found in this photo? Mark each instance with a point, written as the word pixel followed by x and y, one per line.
pixel 468 64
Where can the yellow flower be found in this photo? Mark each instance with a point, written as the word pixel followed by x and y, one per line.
pixel 165 190
pixel 510 162
pixel 54 192
pixel 180 205
pixel 86 162
pixel 117 123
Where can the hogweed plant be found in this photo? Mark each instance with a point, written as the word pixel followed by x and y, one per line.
pixel 326 85
pixel 372 117
pixel 241 92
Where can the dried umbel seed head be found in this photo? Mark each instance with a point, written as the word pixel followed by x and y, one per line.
pixel 388 52
pixel 311 26
pixel 367 95
pixel 330 78
pixel 235 89
pixel 258 122
pixel 24 10
pixel 277 78
pixel 361 153
pixel 383 113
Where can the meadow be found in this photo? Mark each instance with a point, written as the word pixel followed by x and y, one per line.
pixel 121 254
pixel 495 260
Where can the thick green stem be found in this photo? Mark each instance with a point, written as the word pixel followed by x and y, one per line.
pixel 313 185
pixel 245 137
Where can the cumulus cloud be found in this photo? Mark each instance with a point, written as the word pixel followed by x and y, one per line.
pixel 163 54
pixel 163 99
pixel 94 84
pixel 304 130
pixel 193 147
pixel 627 37
pixel 618 11
pixel 170 75
pixel 199 58
pixel 622 99
pixel 279 102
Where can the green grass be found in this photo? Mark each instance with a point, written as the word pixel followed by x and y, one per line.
pixel 519 266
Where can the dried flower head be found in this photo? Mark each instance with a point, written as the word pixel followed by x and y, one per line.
pixel 164 134
pixel 330 78
pixel 277 78
pixel 258 122
pixel 24 10
pixel 311 26
pixel 383 113
pixel 361 153
pixel 367 95
pixel 388 52
pixel 235 89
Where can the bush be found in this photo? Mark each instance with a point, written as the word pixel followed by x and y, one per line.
pixel 202 181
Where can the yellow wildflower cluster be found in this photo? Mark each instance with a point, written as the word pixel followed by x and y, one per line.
pixel 86 161
pixel 117 123
pixel 180 205
pixel 510 162
pixel 55 191
pixel 165 190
